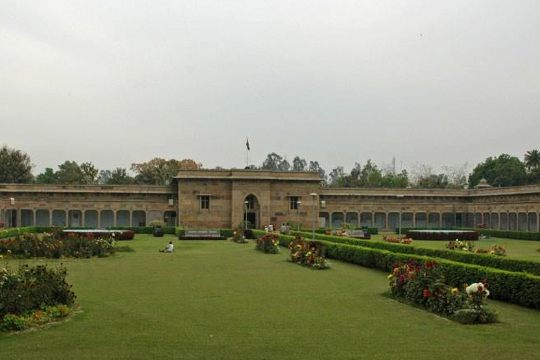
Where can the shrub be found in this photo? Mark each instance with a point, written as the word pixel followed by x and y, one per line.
pixel 423 284
pixel 308 253
pixel 515 287
pixel 33 288
pixel 238 236
pixel 531 267
pixel 268 243
pixel 56 246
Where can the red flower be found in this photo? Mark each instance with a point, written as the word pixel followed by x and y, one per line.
pixel 426 293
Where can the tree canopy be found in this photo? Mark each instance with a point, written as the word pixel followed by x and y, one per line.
pixel 160 171
pixel 15 166
pixel 504 170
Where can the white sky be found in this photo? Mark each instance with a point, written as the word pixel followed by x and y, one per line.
pixel 116 82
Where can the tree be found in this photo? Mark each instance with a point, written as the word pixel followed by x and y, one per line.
pixel 47 177
pixel 532 159
pixel 504 170
pixel 118 176
pixel 299 164
pixel 456 175
pixel 370 176
pixel 393 180
pixel 69 173
pixel 314 166
pixel 15 166
pixel 159 171
pixel 433 181
pixel 337 177
pixel 275 162
pixel 89 173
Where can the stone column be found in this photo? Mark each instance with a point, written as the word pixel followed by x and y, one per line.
pixel 414 219
pixel 34 217
pixel 386 220
pixel 130 218
pixel 114 217
pixel 82 218
pixel 66 217
pixel 440 219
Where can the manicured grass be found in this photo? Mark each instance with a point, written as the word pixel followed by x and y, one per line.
pixel 515 249
pixel 221 300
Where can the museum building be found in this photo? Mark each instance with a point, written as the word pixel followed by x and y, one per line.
pixel 226 198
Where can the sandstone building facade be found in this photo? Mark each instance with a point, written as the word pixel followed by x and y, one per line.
pixel 225 198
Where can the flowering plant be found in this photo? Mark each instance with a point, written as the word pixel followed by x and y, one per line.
pixel 423 284
pixel 308 253
pixel 397 239
pixel 268 243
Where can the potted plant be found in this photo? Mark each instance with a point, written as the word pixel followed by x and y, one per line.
pixel 157 226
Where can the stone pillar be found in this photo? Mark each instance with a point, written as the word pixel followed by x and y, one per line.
pixel 18 211
pixel 99 219
pixel 114 217
pixel 34 217
pixel 414 219
pixel 386 220
pixel 130 218
pixel 440 219
pixel 538 222
pixel 66 217
pixel 82 218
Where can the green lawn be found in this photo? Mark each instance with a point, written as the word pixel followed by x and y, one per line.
pixel 220 300
pixel 515 249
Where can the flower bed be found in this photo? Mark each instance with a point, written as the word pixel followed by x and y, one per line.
pixel 397 239
pixel 56 245
pixel 308 253
pixel 423 284
pixel 532 267
pixel 469 247
pixel 33 296
pixel 512 286
pixel 268 243
pixel 443 234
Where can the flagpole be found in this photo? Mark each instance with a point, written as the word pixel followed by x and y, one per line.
pixel 247 152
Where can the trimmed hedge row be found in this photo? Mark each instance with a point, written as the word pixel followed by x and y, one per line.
pixel 12 232
pixel 492 261
pixel 515 287
pixel 518 235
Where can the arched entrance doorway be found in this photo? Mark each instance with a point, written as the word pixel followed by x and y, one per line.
pixel 252 212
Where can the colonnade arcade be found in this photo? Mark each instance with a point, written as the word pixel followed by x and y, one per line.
pixel 98 218
pixel 513 221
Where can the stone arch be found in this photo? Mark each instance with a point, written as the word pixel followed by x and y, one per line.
pixel 352 218
pixel 252 211
pixel 337 219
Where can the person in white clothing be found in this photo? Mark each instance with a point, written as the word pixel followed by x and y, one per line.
pixel 169 248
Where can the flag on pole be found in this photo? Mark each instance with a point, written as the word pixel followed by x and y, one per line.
pixel 247 144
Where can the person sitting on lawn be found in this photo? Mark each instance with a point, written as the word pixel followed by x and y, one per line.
pixel 169 248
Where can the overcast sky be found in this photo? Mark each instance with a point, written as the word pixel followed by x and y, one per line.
pixel 117 82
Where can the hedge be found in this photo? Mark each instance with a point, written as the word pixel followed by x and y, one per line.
pixel 488 260
pixel 12 232
pixel 515 287
pixel 518 235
